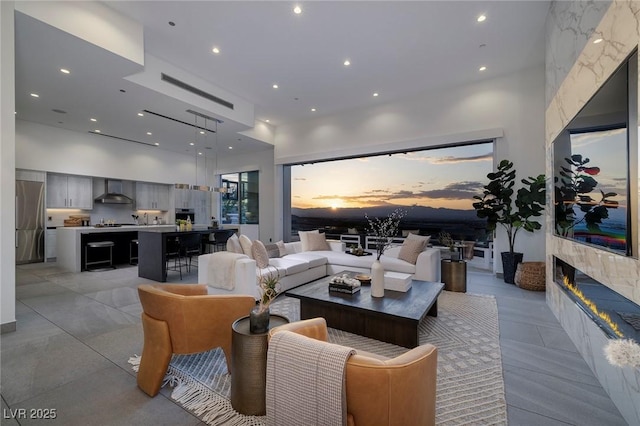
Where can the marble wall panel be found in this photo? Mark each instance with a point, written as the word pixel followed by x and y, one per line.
pixel 622 384
pixel 569 27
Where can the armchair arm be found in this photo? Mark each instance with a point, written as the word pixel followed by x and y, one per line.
pixel 183 289
pixel 336 245
pixel 315 328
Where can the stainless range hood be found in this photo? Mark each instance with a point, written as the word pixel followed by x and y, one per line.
pixel 113 193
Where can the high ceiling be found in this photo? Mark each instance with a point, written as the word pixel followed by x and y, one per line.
pixel 396 49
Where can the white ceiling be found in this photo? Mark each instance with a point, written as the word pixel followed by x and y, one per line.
pixel 398 49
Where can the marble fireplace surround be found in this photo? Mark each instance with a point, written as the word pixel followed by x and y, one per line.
pixel 619 30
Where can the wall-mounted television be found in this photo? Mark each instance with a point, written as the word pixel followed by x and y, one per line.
pixel 595 183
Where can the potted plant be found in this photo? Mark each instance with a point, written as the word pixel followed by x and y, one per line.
pixel 268 284
pixel 500 204
pixel 447 241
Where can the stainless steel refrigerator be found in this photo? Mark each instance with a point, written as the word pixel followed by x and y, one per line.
pixel 29 221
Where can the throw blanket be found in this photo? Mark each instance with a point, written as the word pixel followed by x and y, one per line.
pixel 305 381
pixel 222 270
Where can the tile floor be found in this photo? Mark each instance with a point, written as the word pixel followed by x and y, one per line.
pixel 75 332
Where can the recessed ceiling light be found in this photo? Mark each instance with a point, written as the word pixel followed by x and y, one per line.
pixel 97 131
pixel 598 40
pixel 275 86
pixel 156 144
pixel 173 24
pixel 313 110
pixel 35 95
pixel 230 147
pixel 93 119
pixel 199 153
pixel 215 50
pixel 191 143
pixel 65 71
pixel 297 10
pixel 140 114
pixel 375 94
pixel 482 68
pixel 482 18
pixel 266 121
pixel 202 132
pixel 149 133
pixel 347 62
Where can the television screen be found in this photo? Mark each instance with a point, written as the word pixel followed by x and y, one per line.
pixel 591 169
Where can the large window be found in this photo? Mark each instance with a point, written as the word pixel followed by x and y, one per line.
pixel 239 204
pixel 436 186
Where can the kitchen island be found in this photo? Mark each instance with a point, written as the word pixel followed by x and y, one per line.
pixel 152 249
pixel 71 240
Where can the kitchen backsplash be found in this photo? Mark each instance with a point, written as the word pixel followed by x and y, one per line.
pixel 116 212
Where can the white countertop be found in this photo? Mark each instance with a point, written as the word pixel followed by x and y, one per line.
pixel 123 228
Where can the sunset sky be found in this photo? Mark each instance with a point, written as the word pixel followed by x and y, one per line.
pixel 447 177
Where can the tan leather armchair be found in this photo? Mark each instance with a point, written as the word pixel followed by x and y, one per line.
pixel 398 391
pixel 184 319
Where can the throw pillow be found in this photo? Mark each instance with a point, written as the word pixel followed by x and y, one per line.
pixel 272 250
pixel 282 248
pixel 411 248
pixel 233 244
pixel 304 238
pixel 317 242
pixel 245 242
pixel 259 253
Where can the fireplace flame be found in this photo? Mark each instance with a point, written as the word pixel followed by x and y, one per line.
pixel 592 306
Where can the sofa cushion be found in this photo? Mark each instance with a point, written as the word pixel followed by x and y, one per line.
pixel 245 242
pixel 314 259
pixel 304 238
pixel 412 246
pixel 290 266
pixel 317 242
pixel 233 245
pixel 272 250
pixel 259 253
pixel 281 248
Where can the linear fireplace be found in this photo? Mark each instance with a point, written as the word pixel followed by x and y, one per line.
pixel 617 316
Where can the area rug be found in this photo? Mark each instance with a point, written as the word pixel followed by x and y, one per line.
pixel 470 387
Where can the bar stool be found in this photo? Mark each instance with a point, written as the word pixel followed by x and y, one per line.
pixel 174 253
pixel 133 259
pixel 98 245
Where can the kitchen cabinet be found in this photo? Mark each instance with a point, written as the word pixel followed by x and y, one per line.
pixel 152 196
pixel 201 201
pixel 50 241
pixel 66 191
pixel 182 198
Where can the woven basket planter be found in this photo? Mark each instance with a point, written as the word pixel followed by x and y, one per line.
pixel 531 276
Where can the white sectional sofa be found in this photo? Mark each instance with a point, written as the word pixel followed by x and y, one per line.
pixel 299 267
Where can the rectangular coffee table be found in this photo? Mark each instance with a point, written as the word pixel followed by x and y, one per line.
pixel 393 318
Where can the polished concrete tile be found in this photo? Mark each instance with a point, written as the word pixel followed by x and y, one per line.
pixel 45 288
pixel 520 332
pixel 107 397
pixel 519 417
pixel 79 315
pixel 43 364
pixel 556 338
pixel 567 401
pixel 116 297
pixel 119 345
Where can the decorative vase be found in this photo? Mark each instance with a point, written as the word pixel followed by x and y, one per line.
pixel 259 321
pixel 509 265
pixel 377 279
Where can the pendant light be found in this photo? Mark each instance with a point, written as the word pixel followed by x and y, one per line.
pixel 195 186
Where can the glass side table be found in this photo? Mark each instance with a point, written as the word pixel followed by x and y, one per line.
pixel 249 366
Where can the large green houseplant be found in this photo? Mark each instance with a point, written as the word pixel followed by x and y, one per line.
pixel 500 204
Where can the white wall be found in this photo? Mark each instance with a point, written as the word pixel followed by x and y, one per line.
pixel 40 147
pixel 513 105
pixel 7 160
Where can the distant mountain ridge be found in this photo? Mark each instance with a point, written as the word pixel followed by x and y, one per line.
pixel 414 213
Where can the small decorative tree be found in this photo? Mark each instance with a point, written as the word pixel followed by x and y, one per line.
pixel 499 206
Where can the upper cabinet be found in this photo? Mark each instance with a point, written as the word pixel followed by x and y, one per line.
pixel 182 198
pixel 152 196
pixel 66 191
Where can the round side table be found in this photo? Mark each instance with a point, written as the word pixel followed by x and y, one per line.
pixel 249 366
pixel 454 275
